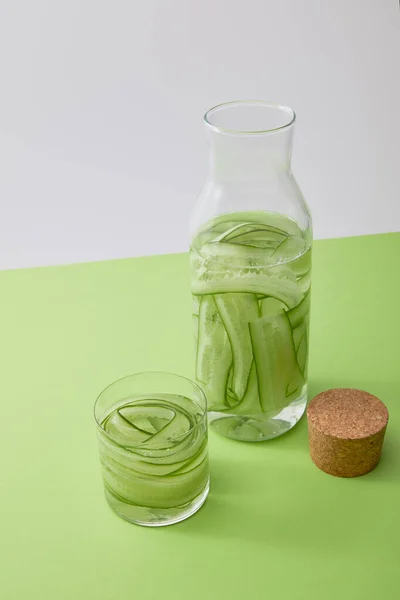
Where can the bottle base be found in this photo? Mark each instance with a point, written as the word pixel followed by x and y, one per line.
pixel 258 428
pixel 156 517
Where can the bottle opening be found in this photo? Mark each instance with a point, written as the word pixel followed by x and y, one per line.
pixel 249 117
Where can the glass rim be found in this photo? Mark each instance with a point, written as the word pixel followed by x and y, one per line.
pixel 266 103
pixel 149 444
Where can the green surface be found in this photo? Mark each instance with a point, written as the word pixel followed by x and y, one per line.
pixel 273 526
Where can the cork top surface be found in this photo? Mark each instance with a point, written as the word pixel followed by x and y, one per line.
pixel 347 413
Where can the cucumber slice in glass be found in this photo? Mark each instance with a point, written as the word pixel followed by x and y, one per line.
pixel 169 472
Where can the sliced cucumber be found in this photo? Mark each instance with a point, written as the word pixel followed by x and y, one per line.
pixel 214 355
pixel 272 220
pixel 300 312
pixel 271 306
pixel 118 426
pixel 149 421
pixel 128 465
pixel 195 462
pixel 302 264
pixel 168 491
pixel 289 247
pixel 235 230
pixel 251 234
pixel 278 283
pixel 236 254
pixel 195 305
pixel 302 353
pixel 195 326
pixel 166 470
pixel 180 425
pixel 304 283
pixel 237 311
pixel 275 360
pixel 252 356
pixel 299 333
pixel 250 404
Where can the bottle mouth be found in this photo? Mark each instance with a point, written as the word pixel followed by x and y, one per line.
pixel 249 117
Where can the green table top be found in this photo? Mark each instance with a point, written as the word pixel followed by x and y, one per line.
pixel 274 526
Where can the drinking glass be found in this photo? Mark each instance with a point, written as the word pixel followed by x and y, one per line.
pixel 152 434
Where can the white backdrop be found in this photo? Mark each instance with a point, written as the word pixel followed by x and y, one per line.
pixel 102 149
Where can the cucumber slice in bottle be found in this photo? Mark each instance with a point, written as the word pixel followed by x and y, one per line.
pixel 274 221
pixel 195 326
pixel 280 284
pixel 214 355
pixel 302 353
pixel 275 360
pixel 304 283
pixel 302 264
pixel 237 255
pixel 250 234
pixel 234 231
pixel 258 240
pixel 271 306
pixel 292 246
pixel 250 403
pixel 301 311
pixel 256 265
pixel 237 310
pixel 195 305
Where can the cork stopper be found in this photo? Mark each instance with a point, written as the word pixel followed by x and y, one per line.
pixel 346 428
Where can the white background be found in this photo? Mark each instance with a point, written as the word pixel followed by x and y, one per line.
pixel 102 149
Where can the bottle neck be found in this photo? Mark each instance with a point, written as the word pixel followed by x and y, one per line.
pixel 239 158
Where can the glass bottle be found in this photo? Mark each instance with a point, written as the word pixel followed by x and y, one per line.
pixel 250 262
